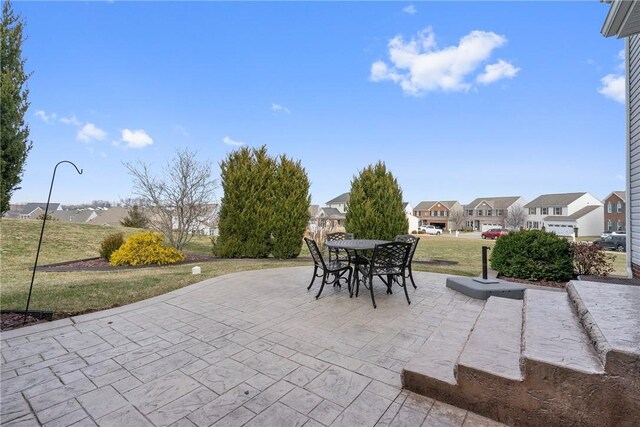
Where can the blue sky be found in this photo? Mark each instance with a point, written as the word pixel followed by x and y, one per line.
pixel 461 100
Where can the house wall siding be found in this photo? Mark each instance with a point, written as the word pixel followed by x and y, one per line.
pixel 633 114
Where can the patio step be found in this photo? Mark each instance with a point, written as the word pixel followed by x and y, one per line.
pixel 494 344
pixel 431 371
pixel 612 322
pixel 554 336
pixel 542 360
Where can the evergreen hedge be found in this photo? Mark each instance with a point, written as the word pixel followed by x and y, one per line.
pixel 375 205
pixel 533 255
pixel 265 206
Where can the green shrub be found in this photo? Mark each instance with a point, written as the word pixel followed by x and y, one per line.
pixel 145 248
pixel 533 255
pixel 591 259
pixel 135 218
pixel 110 244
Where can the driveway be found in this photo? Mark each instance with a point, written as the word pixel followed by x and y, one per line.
pixel 252 348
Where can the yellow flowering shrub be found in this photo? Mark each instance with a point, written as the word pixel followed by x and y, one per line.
pixel 145 248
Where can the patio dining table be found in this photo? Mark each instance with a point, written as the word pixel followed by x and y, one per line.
pixel 357 246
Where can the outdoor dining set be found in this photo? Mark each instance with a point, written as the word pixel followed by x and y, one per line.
pixel 354 261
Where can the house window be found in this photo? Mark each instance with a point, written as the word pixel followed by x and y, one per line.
pixel 469 224
pixel 499 212
pixel 489 212
pixel 557 211
pixel 609 207
pixel 446 213
pixel 544 211
pixel 609 225
pixel 620 225
pixel 470 212
pixel 619 207
pixel 532 211
pixel 480 212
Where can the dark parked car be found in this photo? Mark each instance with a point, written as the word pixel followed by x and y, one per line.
pixel 614 242
pixel 494 233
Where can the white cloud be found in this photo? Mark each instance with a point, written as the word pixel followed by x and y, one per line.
pixel 90 132
pixel 411 10
pixel 419 66
pixel 47 118
pixel 136 138
pixel 73 120
pixel 230 141
pixel 499 70
pixel 613 85
pixel 278 107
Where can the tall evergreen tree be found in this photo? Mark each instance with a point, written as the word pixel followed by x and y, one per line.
pixel 291 210
pixel 14 132
pixel 246 208
pixel 375 205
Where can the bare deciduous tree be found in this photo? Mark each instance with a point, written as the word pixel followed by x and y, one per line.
pixel 516 217
pixel 180 199
pixel 457 218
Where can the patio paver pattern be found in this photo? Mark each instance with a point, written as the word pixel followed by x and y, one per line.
pixel 252 348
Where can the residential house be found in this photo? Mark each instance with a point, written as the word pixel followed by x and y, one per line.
pixel 437 212
pixel 111 217
pixel 34 210
pixel 339 203
pixel 330 219
pixel 414 221
pixel 485 213
pixel 75 215
pixel 623 21
pixel 561 213
pixel 614 211
pixel 334 214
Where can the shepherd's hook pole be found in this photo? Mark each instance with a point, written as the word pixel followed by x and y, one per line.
pixel 44 220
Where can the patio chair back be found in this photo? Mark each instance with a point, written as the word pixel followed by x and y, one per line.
pixel 389 258
pixel 339 255
pixel 318 261
pixel 413 240
pixel 339 236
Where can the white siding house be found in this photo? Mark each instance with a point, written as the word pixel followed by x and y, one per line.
pixel 623 20
pixel 414 221
pixel 561 213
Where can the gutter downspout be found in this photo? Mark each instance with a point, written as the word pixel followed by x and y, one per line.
pixel 629 230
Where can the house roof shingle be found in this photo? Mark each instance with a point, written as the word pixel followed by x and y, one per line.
pixel 343 198
pixel 30 207
pixel 495 202
pixel 426 205
pixel 553 200
pixel 111 217
pixel 331 213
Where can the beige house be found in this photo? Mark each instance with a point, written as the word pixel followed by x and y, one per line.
pixel 485 213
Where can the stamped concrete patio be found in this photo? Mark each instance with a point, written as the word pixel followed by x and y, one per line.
pixel 252 348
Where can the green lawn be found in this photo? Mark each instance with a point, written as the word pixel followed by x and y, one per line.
pixel 70 293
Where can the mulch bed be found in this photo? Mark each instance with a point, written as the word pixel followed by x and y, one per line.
pixel 99 264
pixel 547 283
pixel 16 320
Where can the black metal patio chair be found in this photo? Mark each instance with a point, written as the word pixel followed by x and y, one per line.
pixel 389 263
pixel 337 254
pixel 333 269
pixel 413 240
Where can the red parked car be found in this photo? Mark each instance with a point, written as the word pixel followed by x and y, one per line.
pixel 494 233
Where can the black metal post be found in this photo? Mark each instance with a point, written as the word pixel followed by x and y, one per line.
pixel 44 220
pixel 485 249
